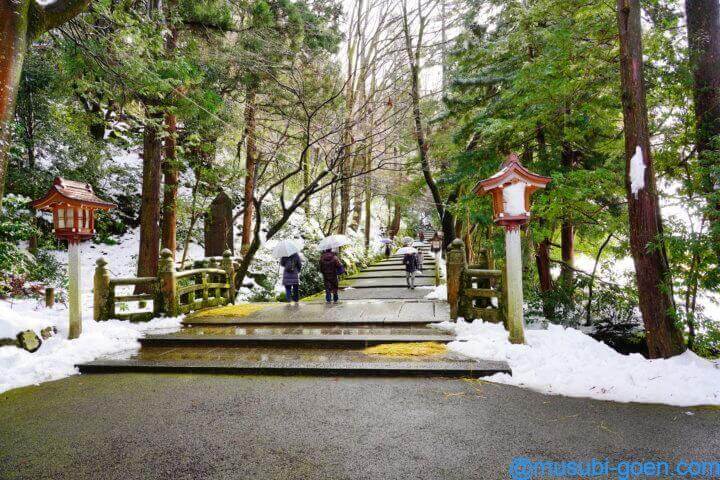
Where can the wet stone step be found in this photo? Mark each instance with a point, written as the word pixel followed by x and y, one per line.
pixel 300 341
pixel 229 330
pixel 389 282
pixel 283 361
pixel 378 293
pixel 391 274
pixel 345 313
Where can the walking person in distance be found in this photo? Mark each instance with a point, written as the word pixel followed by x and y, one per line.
pixel 291 277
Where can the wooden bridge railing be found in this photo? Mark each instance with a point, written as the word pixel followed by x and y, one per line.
pixel 472 288
pixel 172 292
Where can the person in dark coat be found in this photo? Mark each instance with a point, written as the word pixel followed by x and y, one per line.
pixel 291 277
pixel 410 261
pixel 435 244
pixel 330 267
pixel 387 250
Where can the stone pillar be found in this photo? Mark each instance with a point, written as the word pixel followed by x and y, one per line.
pixel 219 229
pixel 514 287
pixel 74 289
pixel 168 284
pixel 227 265
pixel 101 290
pixel 455 267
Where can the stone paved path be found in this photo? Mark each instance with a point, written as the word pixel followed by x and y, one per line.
pixel 212 427
pixel 314 338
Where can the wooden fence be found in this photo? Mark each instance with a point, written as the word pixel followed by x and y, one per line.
pixel 472 288
pixel 172 292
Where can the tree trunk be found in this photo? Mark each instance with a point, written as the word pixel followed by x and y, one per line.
pixel 21 21
pixel 703 19
pixel 150 204
pixel 651 264
pixel 395 224
pixel 170 173
pixel 358 198
pixel 306 160
pixel 193 216
pixel 345 187
pixel 542 258
pixel 446 218
pixel 251 158
pixel 14 34
pixel 567 230
pixel 368 200
pixel 567 244
pixel 170 165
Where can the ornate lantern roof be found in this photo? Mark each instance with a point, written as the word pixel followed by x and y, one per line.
pixel 511 188
pixel 70 192
pixel 73 205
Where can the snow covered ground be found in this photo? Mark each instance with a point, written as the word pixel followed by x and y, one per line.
pixel 565 361
pixel 57 356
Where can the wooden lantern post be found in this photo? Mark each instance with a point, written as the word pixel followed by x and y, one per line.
pixel 73 205
pixel 511 189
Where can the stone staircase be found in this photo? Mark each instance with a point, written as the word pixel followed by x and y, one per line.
pixel 386 279
pixel 313 338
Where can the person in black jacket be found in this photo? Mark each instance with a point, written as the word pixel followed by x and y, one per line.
pixel 410 261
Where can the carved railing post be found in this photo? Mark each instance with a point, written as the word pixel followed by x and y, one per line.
pixel 455 267
pixel 101 290
pixel 168 284
pixel 227 265
pixel 205 292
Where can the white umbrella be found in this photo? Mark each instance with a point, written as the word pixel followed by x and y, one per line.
pixel 406 251
pixel 418 244
pixel 407 241
pixel 386 241
pixel 285 248
pixel 333 241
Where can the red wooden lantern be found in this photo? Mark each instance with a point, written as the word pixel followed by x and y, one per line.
pixel 511 188
pixel 73 205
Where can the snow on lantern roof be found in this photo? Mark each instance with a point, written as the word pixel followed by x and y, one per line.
pixel 73 193
pixel 512 171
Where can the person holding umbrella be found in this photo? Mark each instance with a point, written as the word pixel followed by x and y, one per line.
pixel 291 263
pixel 330 265
pixel 410 260
pixel 387 242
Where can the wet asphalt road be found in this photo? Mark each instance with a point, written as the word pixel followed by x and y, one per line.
pixel 138 426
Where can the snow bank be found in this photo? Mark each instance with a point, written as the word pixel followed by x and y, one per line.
pixel 565 361
pixel 438 293
pixel 57 356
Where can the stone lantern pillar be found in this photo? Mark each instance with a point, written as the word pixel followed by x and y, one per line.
pixel 511 189
pixel 73 205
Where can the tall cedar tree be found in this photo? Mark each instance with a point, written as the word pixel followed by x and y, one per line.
pixel 646 243
pixel 703 23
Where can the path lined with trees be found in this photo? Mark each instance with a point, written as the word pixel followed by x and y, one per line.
pixel 304 119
